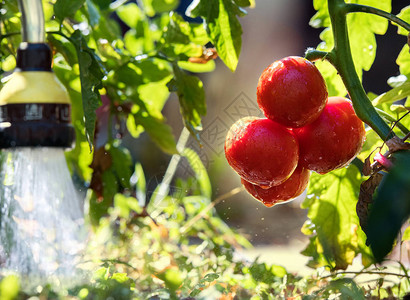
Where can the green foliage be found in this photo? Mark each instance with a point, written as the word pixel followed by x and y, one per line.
pixel 90 77
pixel 175 246
pixel 223 26
pixel 390 208
pixel 332 217
pixel 362 29
pixel 66 8
pixel 191 97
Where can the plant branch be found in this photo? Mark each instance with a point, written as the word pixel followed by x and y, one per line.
pixel 352 7
pixel 365 273
pixel 312 54
pixel 389 118
pixel 343 62
pixel 7 35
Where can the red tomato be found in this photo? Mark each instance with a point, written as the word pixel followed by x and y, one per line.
pixel 261 151
pixel 292 92
pixel 284 192
pixel 333 140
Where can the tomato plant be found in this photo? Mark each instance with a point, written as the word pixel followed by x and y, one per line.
pixel 170 243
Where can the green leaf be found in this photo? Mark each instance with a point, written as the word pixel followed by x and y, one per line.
pixel 197 68
pixel 125 205
pixel 121 164
pixel 67 8
pixel 403 60
pixel 362 29
pixel 191 97
pixel 93 13
pixel 91 75
pixel 181 39
pixel 121 277
pixel 223 27
pixel 153 7
pixel 321 18
pixel 404 15
pixel 347 288
pixel 130 14
pixel 200 172
pixel 244 3
pixel 158 131
pixel 390 208
pixel 332 214
pixel 64 47
pixel 99 207
pixel 400 92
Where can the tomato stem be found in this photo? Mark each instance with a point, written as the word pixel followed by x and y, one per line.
pixel 343 62
pixel 352 7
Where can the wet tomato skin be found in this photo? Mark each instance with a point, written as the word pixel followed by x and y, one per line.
pixel 261 151
pixel 292 92
pixel 333 140
pixel 285 192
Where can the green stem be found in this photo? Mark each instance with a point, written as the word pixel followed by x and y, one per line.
pixel 351 8
pixel 7 35
pixel 391 119
pixel 343 62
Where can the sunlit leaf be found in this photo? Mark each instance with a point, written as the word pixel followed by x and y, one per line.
pixel 158 131
pixel 223 27
pixel 404 15
pixel 332 214
pixel 191 96
pixel 66 8
pixel 91 75
pixel 398 93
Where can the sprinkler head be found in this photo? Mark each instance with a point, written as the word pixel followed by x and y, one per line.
pixel 35 108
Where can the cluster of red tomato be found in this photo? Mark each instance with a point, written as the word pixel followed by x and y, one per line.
pixel 303 131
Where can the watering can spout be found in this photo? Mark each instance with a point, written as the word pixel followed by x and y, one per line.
pixel 32 21
pixel 35 108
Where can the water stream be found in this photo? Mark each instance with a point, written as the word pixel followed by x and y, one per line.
pixel 41 215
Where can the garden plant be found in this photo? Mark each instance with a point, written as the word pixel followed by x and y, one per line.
pixel 126 59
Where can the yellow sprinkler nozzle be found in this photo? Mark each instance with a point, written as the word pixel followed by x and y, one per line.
pixel 34 106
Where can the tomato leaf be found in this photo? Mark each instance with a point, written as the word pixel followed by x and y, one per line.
pixel 91 74
pixel 130 14
pixel 153 7
pixel 390 208
pixel 332 214
pixel 404 15
pixel 223 27
pixel 362 29
pixel 191 96
pixel 399 92
pixel 93 13
pixel 66 8
pixel 158 131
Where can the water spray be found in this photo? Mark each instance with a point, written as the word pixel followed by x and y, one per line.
pixel 41 216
